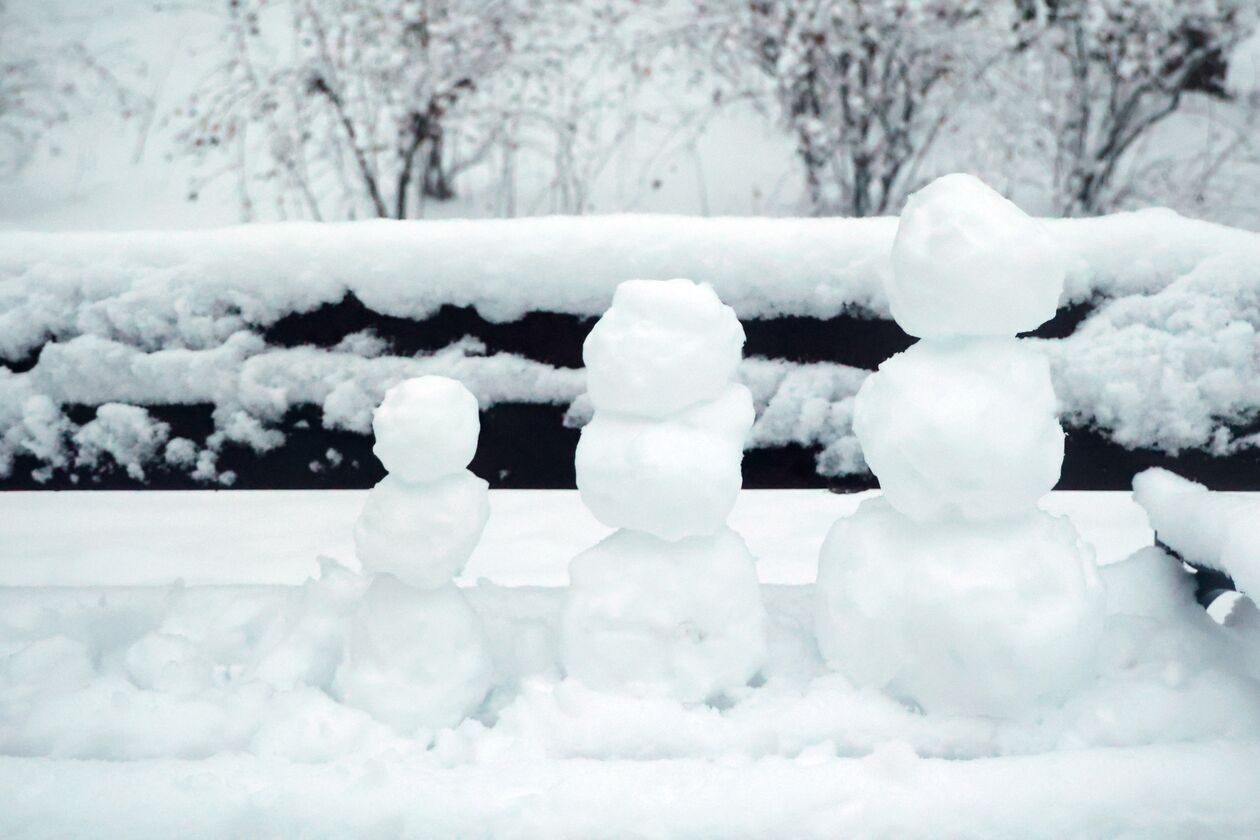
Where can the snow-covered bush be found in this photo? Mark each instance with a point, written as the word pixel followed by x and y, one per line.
pixel 371 97
pixel 47 81
pixel 351 109
pixel 863 89
pixel 1106 73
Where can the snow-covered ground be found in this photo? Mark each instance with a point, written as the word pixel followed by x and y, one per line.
pixel 114 679
pixel 278 536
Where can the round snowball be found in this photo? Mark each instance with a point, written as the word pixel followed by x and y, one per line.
pixel 426 428
pixel 663 345
pixel 961 428
pixel 648 617
pixel 966 261
pixel 414 659
pixel 993 619
pixel 672 478
pixel 422 533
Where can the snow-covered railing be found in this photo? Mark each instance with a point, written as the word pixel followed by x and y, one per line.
pixel 1218 532
pixel 161 288
pixel 111 342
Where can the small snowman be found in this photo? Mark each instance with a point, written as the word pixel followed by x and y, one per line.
pixel 416 655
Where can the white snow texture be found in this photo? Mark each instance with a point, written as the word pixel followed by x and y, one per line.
pixel 968 262
pixel 415 658
pixel 422 521
pixel 1000 618
pixel 953 590
pixel 422 533
pixel 655 353
pixel 675 477
pixel 1170 357
pixel 663 455
pixel 670 603
pixel 962 427
pixel 1217 530
pixel 649 616
pixel 426 428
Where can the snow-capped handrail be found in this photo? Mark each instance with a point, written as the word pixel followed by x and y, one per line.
pixel 1211 530
pixel 193 286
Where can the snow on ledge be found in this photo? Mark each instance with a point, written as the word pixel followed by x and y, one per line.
pixel 1219 531
pixel 1169 357
pixel 198 287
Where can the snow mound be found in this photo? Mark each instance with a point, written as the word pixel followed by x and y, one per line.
pixel 661 347
pixel 426 428
pixel 106 691
pixel 415 659
pixel 682 619
pixel 956 617
pixel 967 261
pixel 965 427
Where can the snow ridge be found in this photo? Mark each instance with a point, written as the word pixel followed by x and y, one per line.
pixel 1169 358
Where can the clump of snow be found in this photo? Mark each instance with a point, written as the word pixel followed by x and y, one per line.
pixel 1218 530
pixel 675 618
pixel 422 533
pixel 997 618
pixel 415 658
pixel 674 477
pixel 967 261
pixel 426 428
pixel 966 428
pixel 661 347
pixel 250 385
pixel 36 426
pixel 1173 369
pixel 126 433
pixel 1151 583
pixel 806 405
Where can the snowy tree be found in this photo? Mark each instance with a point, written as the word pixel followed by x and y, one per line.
pixel 1109 72
pixel 567 104
pixel 347 108
pixel 864 86
pixel 356 106
pixel 45 82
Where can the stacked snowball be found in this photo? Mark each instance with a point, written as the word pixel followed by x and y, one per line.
pixel 954 590
pixel 671 603
pixel 416 655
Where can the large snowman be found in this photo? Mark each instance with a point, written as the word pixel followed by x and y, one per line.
pixel 953 590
